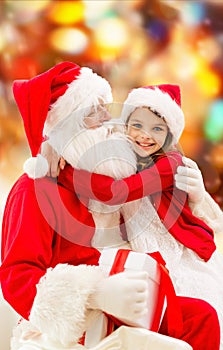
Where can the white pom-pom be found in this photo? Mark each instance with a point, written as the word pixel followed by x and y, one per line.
pixel 36 167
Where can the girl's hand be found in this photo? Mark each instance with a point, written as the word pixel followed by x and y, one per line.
pixel 189 179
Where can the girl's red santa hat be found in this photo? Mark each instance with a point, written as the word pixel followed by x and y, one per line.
pixel 49 104
pixel 164 100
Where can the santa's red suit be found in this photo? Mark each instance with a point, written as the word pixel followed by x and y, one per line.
pixel 46 233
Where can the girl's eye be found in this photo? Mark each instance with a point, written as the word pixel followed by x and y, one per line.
pixel 157 128
pixel 136 126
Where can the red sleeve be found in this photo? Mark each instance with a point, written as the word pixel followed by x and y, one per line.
pixel 157 178
pixel 26 249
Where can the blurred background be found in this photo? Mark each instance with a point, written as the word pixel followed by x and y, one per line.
pixel 130 43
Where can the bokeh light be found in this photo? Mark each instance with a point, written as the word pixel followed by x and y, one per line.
pixel 217 157
pixel 96 11
pixel 68 40
pixel 23 11
pixel 66 12
pixel 21 67
pixel 193 12
pixel 131 43
pixel 208 81
pixel 213 126
pixel 111 36
pixel 209 48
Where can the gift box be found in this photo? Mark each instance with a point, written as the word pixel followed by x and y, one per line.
pixel 160 288
pixel 113 261
pixel 140 338
pixel 136 261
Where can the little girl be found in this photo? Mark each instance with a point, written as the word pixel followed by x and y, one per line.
pixel 154 122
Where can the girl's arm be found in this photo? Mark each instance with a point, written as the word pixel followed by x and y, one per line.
pixel 157 178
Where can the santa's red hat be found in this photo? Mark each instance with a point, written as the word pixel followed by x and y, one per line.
pixel 48 100
pixel 164 99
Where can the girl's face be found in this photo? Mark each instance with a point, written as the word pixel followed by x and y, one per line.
pixel 97 117
pixel 147 131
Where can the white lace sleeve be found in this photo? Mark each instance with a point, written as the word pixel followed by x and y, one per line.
pixel 209 211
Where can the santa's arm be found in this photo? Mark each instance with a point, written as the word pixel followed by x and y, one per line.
pixel 54 299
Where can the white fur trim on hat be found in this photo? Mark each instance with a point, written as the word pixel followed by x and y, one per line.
pixel 36 167
pixel 84 92
pixel 157 101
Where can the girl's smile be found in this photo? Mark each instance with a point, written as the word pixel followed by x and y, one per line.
pixel 147 131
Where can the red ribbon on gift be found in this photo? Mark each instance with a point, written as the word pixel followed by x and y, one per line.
pixel 166 290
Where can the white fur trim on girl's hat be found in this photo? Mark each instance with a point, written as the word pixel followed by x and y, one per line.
pixel 48 100
pixel 163 99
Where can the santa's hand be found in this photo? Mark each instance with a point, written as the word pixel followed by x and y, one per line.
pixel 190 180
pixel 52 158
pixel 123 295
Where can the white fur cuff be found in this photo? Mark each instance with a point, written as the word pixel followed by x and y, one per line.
pixel 60 305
